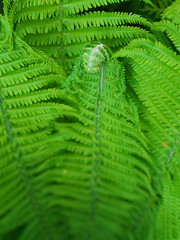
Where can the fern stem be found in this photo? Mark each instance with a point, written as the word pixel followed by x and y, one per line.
pixel 95 163
pixel 172 151
pixel 62 30
pixel 99 103
pixel 24 175
pixel 7 126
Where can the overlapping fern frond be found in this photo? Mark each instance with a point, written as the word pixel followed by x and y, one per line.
pixel 154 9
pixel 105 145
pixel 169 213
pixel 28 141
pixel 4 30
pixel 170 24
pixel 155 78
pixel 61 28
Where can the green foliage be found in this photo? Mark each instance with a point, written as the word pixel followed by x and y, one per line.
pixel 169 218
pixel 28 141
pixel 93 155
pixel 61 28
pixel 104 146
pixel 4 30
pixel 155 8
pixel 153 63
pixel 170 24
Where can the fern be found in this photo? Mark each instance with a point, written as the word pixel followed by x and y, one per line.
pixel 168 217
pixel 170 24
pixel 153 63
pixel 4 30
pixel 155 80
pixel 172 12
pixel 104 146
pixel 28 142
pixel 61 29
pixel 95 155
pixel 154 9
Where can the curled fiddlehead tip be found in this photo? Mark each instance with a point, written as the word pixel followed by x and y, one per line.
pixel 94 56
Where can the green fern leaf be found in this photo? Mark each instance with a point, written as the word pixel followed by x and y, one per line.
pixel 28 141
pixel 61 30
pixel 4 30
pixel 168 222
pixel 172 12
pixel 171 23
pixel 154 78
pixel 155 9
pixel 106 165
pixel 172 31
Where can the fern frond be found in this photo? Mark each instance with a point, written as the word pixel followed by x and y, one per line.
pixel 53 29
pixel 172 31
pixel 106 163
pixel 28 142
pixel 95 19
pixel 155 79
pixel 155 9
pixel 152 62
pixel 4 30
pixel 153 82
pixel 172 12
pixel 69 6
pixel 168 222
pixel 170 24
